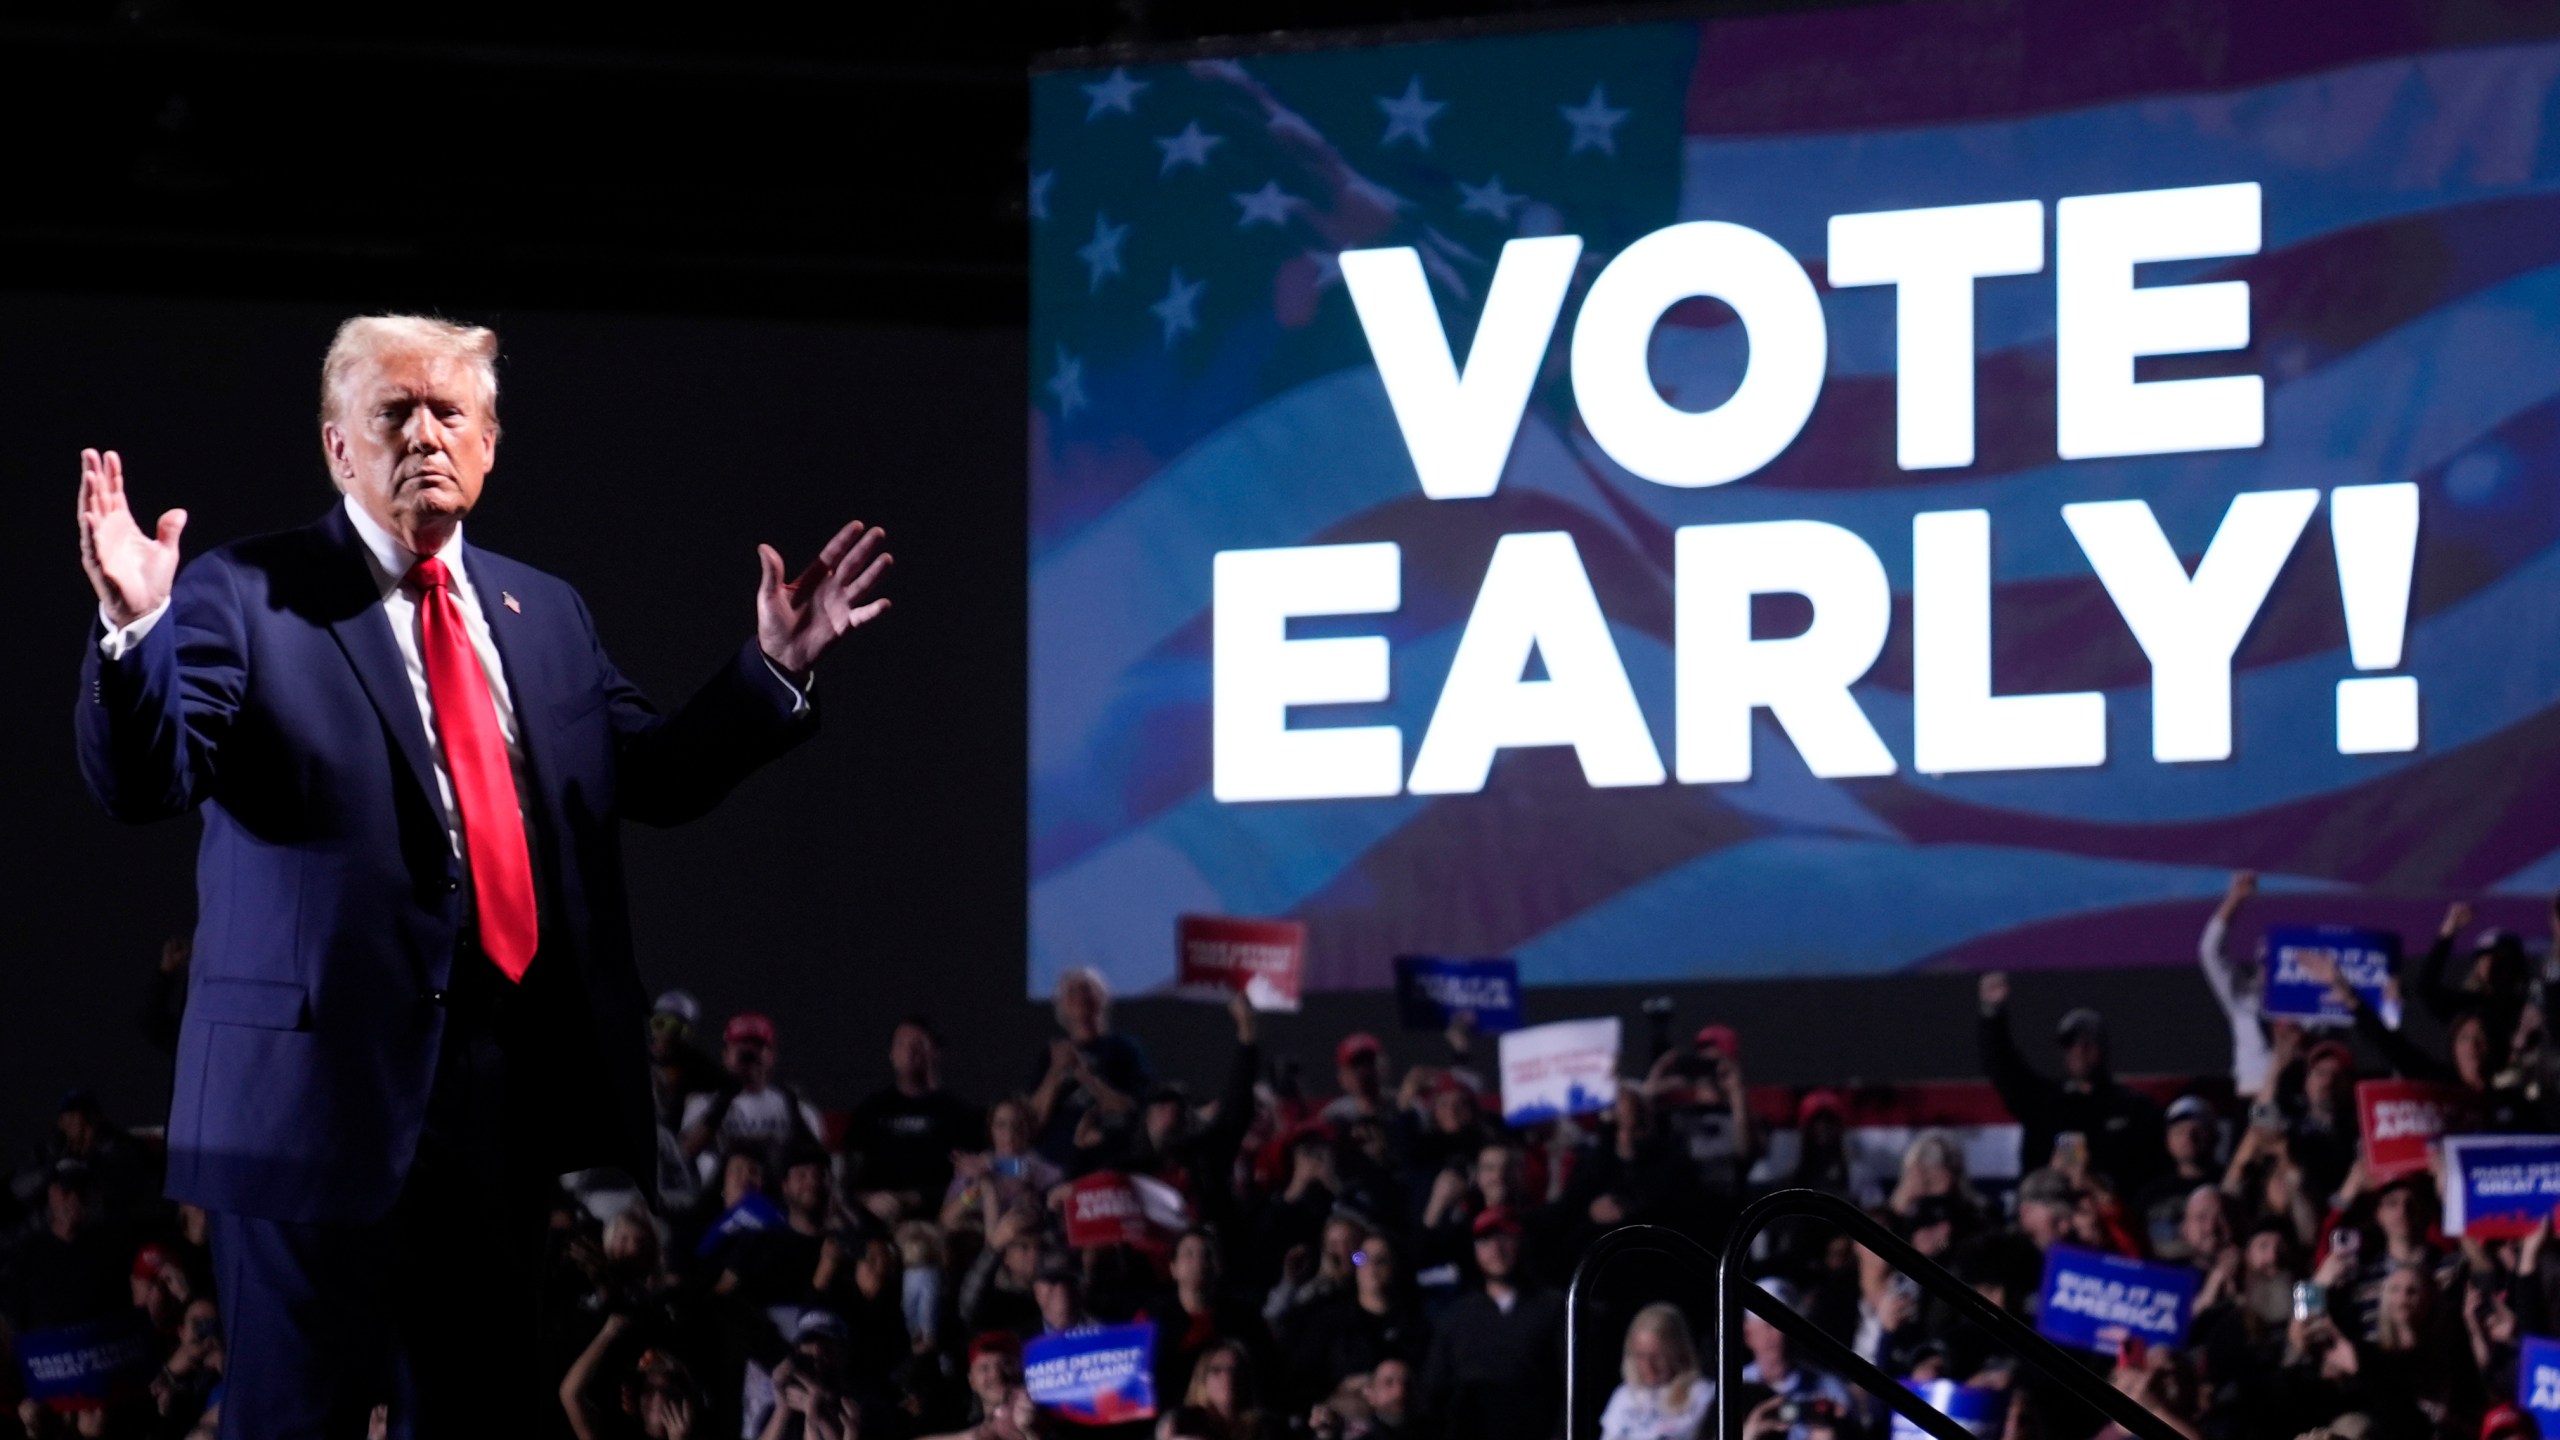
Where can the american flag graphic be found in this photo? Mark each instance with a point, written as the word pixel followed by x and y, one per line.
pixel 1200 383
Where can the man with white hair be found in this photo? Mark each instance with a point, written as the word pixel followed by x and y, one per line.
pixel 412 1003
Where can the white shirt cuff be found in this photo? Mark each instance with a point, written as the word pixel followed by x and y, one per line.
pixel 799 688
pixel 120 639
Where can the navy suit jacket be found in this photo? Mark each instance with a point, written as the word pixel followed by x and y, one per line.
pixel 273 698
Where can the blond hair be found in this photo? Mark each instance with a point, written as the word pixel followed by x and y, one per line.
pixel 365 338
pixel 1666 1322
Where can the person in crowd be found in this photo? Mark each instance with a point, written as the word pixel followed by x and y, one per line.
pixel 2120 1128
pixel 2237 987
pixel 1057 1291
pixel 750 1109
pixel 1088 1067
pixel 1662 1396
pixel 1496 1366
pixel 1006 1175
pixel 1775 1378
pixel 2194 1135
pixel 678 1068
pixel 812 1385
pixel 2498 982
pixel 70 1269
pixel 1197 1157
pixel 1360 1068
pixel 779 1266
pixel 903 1135
pixel 1221 1398
pixel 996 1295
pixel 120 1168
pixel 1703 1100
pixel 612 1394
pixel 1200 1312
pixel 1353 1334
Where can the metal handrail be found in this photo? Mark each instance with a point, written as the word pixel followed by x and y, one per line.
pixel 1736 1292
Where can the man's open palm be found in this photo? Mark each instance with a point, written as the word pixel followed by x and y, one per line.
pixel 796 620
pixel 130 569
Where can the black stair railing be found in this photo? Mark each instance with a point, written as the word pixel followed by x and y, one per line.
pixel 1736 1292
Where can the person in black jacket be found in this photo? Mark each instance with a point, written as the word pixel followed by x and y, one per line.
pixel 1497 1362
pixel 2123 1128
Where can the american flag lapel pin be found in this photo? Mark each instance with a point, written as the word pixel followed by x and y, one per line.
pixel 510 601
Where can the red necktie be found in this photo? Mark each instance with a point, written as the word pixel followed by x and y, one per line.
pixel 484 783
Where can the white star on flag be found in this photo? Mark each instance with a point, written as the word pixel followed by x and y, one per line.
pixel 1067 383
pixel 1488 198
pixel 1410 115
pixel 1116 92
pixel 1040 194
pixel 1101 254
pixel 1175 309
pixel 1191 147
pixel 1595 125
pixel 1268 205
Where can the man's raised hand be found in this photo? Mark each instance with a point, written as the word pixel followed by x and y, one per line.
pixel 796 620
pixel 131 571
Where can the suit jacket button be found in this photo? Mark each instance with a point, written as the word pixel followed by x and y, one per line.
pixel 435 997
pixel 451 885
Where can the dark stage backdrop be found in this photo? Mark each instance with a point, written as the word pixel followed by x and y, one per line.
pixel 880 870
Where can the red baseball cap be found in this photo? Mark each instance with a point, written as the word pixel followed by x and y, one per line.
pixel 1355 1045
pixel 151 1261
pixel 997 1342
pixel 1496 1220
pixel 2506 1422
pixel 748 1025
pixel 1720 1037
pixel 2330 1050
pixel 1821 1102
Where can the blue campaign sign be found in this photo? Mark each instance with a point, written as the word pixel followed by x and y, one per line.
pixel 2366 958
pixel 753 1213
pixel 1431 988
pixel 2500 1186
pixel 2538 1382
pixel 1103 1375
pixel 2094 1301
pixel 77 1365
pixel 1978 1409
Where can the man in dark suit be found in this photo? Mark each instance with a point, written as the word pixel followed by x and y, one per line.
pixel 413 1003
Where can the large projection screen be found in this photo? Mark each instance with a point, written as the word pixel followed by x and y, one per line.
pixel 1834 493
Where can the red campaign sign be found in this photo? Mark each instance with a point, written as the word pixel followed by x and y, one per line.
pixel 1103 1209
pixel 2402 1119
pixel 1266 959
pixel 1108 1208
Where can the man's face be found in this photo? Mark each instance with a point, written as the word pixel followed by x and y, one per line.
pixel 2083 1054
pixel 1497 1254
pixel 1359 1076
pixel 2044 1221
pixel 1767 1344
pixel 804 1189
pixel 990 1378
pixel 666 1032
pixel 742 1178
pixel 1057 1302
pixel 79 1130
pixel 911 1056
pixel 1164 1122
pixel 751 1060
pixel 412 439
pixel 2320 1085
pixel 1387 1386
pixel 1080 1005
pixel 2188 1142
pixel 1493 1173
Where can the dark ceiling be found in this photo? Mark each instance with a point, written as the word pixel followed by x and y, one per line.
pixel 848 161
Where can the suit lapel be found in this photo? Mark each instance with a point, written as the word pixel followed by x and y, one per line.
pixel 363 631
pixel 518 643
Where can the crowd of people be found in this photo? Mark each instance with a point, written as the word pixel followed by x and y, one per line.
pixel 1386 1262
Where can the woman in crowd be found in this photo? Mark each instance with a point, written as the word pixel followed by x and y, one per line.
pixel 1004 1176
pixel 1661 1395
pixel 1221 1396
